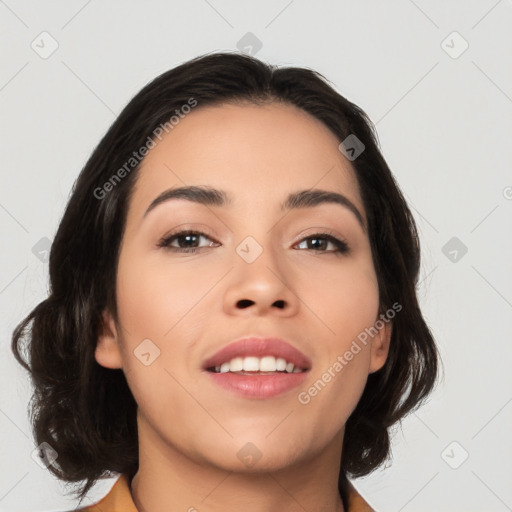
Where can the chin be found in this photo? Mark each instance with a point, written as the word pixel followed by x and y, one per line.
pixel 253 459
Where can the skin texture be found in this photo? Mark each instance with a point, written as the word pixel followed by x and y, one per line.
pixel 187 304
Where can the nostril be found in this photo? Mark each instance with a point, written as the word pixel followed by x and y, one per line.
pixel 244 303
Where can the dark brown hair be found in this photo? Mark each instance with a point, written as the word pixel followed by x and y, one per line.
pixel 86 412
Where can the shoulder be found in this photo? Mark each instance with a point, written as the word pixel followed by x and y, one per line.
pixel 119 499
pixel 355 502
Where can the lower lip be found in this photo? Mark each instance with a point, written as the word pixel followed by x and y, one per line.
pixel 258 386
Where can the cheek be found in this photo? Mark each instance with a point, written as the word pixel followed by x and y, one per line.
pixel 159 326
pixel 345 298
pixel 347 303
pixel 151 303
pixel 153 297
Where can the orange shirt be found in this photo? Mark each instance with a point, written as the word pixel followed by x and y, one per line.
pixel 119 499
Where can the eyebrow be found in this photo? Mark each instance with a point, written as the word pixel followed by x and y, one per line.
pixel 210 196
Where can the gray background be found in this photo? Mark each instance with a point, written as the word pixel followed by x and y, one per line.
pixel 444 116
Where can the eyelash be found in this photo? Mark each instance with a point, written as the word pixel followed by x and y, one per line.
pixel 341 246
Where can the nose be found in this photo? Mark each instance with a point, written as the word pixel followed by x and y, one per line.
pixel 261 287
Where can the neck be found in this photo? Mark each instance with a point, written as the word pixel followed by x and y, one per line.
pixel 169 480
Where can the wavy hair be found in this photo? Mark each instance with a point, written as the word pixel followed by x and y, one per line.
pixel 86 412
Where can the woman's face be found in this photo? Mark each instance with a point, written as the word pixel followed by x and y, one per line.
pixel 254 272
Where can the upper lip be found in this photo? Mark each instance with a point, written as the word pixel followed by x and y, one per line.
pixel 259 347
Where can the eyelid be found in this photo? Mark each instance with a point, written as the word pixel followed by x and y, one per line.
pixel 199 228
pixel 320 231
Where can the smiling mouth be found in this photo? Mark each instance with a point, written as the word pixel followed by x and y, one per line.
pixel 255 378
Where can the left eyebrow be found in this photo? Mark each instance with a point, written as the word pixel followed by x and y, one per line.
pixel 210 196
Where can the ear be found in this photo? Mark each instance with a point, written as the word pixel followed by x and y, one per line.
pixel 380 346
pixel 108 353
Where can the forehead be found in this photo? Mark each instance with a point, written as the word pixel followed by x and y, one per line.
pixel 257 153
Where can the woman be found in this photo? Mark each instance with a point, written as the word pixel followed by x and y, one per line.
pixel 233 318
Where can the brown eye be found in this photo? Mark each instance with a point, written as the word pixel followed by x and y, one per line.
pixel 320 241
pixel 187 241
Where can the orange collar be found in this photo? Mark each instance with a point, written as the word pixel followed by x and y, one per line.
pixel 119 499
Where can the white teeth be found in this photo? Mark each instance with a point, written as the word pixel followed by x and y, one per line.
pixel 268 364
pixel 251 364
pixel 236 364
pixel 255 364
pixel 280 364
